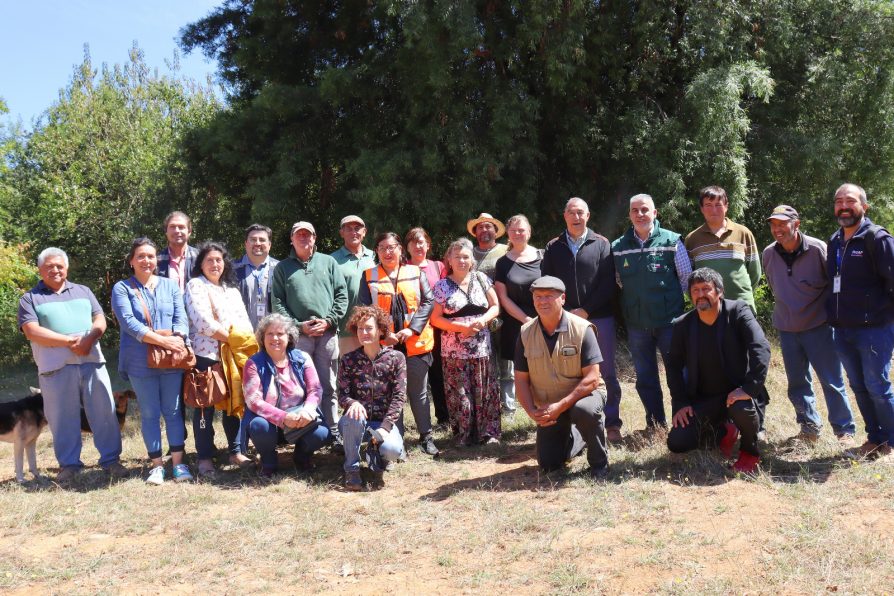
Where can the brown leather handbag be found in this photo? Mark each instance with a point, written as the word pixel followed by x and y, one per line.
pixel 157 356
pixel 204 388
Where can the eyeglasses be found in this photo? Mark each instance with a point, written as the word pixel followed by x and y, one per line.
pixel 388 247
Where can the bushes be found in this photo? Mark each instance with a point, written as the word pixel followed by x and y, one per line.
pixel 16 276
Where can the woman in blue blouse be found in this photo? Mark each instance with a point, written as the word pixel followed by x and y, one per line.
pixel 158 390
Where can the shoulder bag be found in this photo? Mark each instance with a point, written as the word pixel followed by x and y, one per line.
pixel 157 356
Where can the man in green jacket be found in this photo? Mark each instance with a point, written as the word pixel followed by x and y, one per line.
pixel 652 267
pixel 309 287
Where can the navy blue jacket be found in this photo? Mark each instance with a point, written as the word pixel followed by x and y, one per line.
pixel 867 278
pixel 267 370
pixel 589 276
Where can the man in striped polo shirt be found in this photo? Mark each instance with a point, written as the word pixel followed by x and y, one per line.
pixel 725 246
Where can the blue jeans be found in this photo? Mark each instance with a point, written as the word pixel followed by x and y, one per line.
pixel 605 337
pixel 266 437
pixel 352 432
pixel 865 353
pixel 642 343
pixel 63 391
pixel 159 396
pixel 805 349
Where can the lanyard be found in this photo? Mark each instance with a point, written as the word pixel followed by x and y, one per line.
pixel 261 280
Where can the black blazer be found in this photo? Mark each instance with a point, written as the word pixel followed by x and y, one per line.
pixel 744 351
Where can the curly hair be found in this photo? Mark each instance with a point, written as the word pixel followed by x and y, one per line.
pixel 281 320
pixel 361 313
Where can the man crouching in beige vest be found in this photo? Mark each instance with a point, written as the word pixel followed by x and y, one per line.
pixel 557 381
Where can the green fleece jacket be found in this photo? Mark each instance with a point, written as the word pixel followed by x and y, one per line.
pixel 315 289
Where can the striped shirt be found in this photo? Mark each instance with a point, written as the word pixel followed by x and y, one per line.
pixel 734 255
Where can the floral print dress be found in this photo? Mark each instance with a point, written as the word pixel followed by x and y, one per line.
pixel 473 396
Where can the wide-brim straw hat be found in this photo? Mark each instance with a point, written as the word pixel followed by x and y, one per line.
pixel 470 225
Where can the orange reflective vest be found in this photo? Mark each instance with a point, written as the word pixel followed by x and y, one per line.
pixel 381 290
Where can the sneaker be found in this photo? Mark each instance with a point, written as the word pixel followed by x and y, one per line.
pixel 427 445
pixel 491 442
pixel 116 470
pixel 613 435
pixel 68 473
pixel 181 473
pixel 353 482
pixel 156 476
pixel 846 440
pixel 729 440
pixel 747 463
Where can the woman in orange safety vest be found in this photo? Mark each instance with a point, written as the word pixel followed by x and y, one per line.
pixel 403 291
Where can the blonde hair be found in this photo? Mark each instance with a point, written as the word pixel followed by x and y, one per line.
pixel 515 219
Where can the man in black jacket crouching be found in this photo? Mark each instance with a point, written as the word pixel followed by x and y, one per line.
pixel 725 356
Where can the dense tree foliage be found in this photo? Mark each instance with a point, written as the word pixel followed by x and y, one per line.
pixel 430 112
pixel 103 165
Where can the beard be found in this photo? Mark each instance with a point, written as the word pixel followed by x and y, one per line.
pixel 846 218
pixel 703 304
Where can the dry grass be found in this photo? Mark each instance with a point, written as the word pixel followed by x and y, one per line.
pixel 477 521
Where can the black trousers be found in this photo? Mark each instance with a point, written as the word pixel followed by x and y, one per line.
pixel 707 427
pixel 436 382
pixel 581 425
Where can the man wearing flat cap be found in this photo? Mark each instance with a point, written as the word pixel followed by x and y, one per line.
pixel 583 260
pixel 795 265
pixel 309 288
pixel 353 259
pixel 557 381
pixel 486 229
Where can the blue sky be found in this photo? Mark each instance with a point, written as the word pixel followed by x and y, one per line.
pixel 41 41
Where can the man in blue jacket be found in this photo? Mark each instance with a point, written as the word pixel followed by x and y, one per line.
pixel 582 259
pixel 653 267
pixel 860 308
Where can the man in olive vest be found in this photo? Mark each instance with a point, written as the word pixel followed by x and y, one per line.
pixel 557 381
pixel 653 267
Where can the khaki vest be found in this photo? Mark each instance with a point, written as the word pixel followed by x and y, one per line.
pixel 554 376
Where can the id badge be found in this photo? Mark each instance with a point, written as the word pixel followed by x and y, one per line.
pixel 261 310
pixel 836 284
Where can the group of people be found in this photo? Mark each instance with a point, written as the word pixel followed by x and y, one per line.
pixel 492 327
